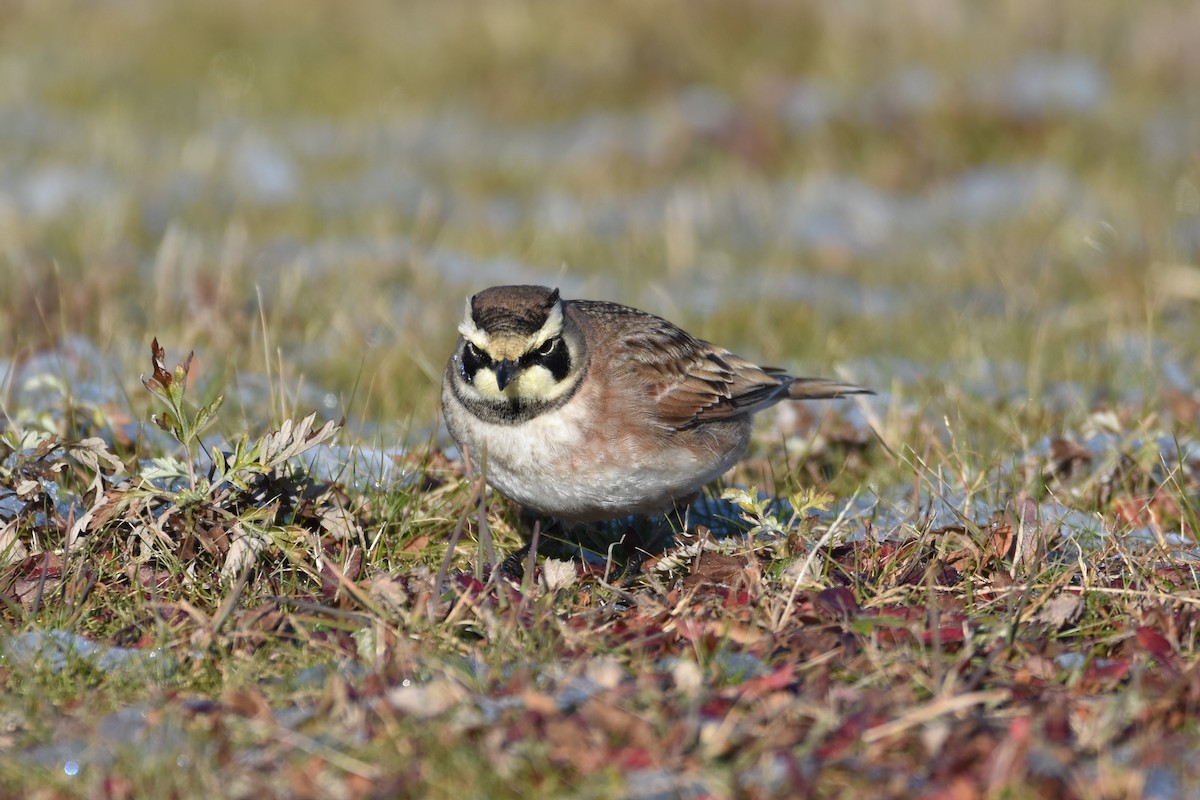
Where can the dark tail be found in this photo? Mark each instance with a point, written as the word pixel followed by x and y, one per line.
pixel 821 388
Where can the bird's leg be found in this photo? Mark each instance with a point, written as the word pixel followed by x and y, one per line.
pixel 517 563
pixel 633 553
pixel 635 548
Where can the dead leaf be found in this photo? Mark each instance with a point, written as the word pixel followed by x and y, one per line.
pixel 12 550
pixel 248 703
pixel 1156 645
pixel 838 601
pixel 427 700
pixel 621 725
pixel 93 453
pixel 1067 459
pixel 1060 610
pixel 715 569
pixel 390 593
pixel 557 574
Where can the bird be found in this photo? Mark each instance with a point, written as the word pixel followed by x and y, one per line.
pixel 588 410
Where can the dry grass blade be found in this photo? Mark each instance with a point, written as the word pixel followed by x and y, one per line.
pixel 935 709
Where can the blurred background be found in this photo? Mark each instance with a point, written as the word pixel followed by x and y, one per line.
pixel 996 201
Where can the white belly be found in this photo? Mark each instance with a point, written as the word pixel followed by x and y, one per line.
pixel 546 465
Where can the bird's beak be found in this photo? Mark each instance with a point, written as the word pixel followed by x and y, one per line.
pixel 506 370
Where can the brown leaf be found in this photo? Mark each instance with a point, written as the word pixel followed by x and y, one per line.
pixel 48 564
pixel 838 601
pixel 621 725
pixel 963 560
pixel 1060 610
pixel 1034 536
pixel 389 592
pixel 1067 458
pixel 1036 668
pixel 781 678
pixel 715 569
pixel 539 703
pixel 573 742
pixel 1103 676
pixel 161 375
pixel 416 545
pixel 248 703
pixel 1000 541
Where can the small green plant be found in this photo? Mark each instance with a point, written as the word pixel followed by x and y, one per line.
pixel 789 531
pixel 250 496
pixel 757 510
pixel 238 467
pixel 169 388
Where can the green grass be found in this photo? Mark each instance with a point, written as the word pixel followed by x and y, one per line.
pixel 988 591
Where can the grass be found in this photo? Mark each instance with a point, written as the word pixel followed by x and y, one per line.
pixel 980 584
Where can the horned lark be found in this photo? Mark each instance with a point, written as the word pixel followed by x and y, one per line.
pixel 587 410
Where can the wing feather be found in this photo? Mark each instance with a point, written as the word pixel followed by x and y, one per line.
pixel 691 381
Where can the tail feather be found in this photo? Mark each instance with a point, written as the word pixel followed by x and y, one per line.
pixel 820 388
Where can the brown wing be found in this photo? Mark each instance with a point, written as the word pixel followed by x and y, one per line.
pixel 690 381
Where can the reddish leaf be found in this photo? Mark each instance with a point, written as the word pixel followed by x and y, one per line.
pixel 838 601
pixel 716 708
pixel 1056 723
pixel 631 758
pixel 738 599
pixel 1156 645
pixel 848 735
pixel 1108 673
pixel 690 629
pixel 772 682
pixel 48 564
pixel 469 584
pixel 946 634
pixel 903 612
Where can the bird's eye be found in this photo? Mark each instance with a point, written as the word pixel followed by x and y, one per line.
pixel 547 347
pixel 476 355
